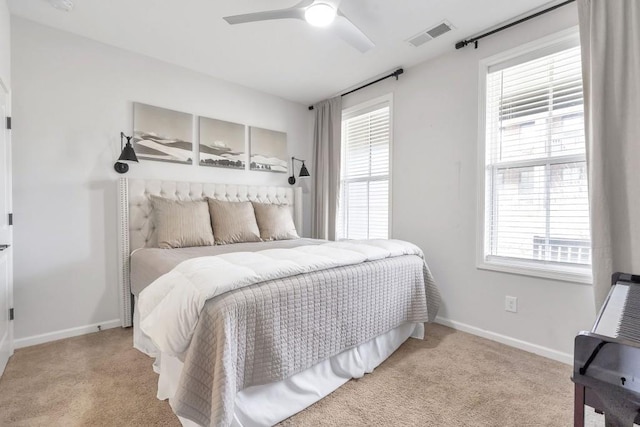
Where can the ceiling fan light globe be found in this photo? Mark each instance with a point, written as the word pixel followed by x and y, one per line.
pixel 320 14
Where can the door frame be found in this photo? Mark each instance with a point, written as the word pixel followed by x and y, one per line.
pixel 9 251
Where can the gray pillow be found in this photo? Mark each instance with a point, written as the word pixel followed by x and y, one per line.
pixel 233 222
pixel 275 222
pixel 180 223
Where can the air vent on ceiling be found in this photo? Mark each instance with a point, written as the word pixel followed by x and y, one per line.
pixel 430 34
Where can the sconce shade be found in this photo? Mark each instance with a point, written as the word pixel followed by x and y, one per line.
pixel 128 155
pixel 304 172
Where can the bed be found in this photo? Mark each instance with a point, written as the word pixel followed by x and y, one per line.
pixel 256 354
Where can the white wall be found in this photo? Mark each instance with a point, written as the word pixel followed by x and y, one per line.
pixel 435 193
pixel 5 44
pixel 72 97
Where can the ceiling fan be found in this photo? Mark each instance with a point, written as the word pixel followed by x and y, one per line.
pixel 319 13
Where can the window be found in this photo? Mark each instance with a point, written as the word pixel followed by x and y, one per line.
pixel 363 211
pixel 536 210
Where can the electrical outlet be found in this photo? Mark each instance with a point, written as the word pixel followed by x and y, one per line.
pixel 511 304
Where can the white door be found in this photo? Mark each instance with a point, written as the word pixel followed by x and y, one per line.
pixel 6 238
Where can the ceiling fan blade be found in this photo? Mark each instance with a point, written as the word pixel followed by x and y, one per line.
pixel 295 12
pixel 347 31
pixel 265 16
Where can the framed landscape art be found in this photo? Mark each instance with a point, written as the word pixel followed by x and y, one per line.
pixel 222 144
pixel 268 150
pixel 162 135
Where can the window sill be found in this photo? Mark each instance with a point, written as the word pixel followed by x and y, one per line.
pixel 524 268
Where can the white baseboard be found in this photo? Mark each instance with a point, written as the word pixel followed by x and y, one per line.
pixel 493 336
pixel 513 342
pixel 65 333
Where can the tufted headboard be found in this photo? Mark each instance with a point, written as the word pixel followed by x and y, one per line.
pixel 137 230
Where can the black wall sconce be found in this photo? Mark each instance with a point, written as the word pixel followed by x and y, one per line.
pixel 304 172
pixel 127 155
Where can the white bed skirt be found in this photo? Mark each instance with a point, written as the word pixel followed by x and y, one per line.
pixel 268 404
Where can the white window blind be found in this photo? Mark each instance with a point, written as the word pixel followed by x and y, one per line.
pixel 536 203
pixel 363 211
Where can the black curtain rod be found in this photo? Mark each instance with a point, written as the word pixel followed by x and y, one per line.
pixel 474 40
pixel 395 74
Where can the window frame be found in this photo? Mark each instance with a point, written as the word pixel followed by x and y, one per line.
pixel 529 51
pixel 353 111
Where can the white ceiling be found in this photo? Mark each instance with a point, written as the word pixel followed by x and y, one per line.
pixel 288 58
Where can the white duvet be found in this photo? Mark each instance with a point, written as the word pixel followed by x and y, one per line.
pixel 169 307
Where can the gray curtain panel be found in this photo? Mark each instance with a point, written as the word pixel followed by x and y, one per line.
pixel 610 39
pixel 327 135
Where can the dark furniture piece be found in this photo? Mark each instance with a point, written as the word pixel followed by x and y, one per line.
pixel 607 358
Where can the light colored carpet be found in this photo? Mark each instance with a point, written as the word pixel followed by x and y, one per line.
pixel 450 379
